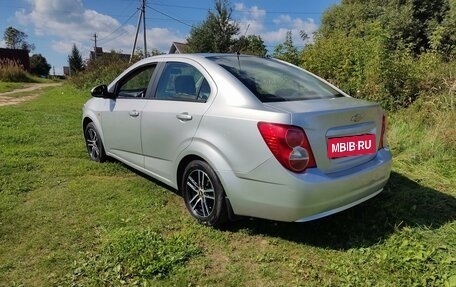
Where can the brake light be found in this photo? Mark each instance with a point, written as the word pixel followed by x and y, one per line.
pixel 289 145
pixel 383 141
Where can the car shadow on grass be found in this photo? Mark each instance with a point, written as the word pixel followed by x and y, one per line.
pixel 403 202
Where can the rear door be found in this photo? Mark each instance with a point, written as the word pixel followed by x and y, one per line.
pixel 171 119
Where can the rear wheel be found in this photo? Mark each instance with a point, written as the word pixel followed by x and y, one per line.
pixel 94 144
pixel 203 194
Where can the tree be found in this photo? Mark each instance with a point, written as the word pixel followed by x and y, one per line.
pixel 389 51
pixel 443 38
pixel 139 53
pixel 416 25
pixel 216 33
pixel 15 39
pixel 287 51
pixel 75 60
pixel 252 45
pixel 39 66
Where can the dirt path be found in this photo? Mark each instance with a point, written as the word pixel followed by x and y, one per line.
pixel 6 99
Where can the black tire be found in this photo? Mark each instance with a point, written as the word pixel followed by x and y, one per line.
pixel 94 145
pixel 203 194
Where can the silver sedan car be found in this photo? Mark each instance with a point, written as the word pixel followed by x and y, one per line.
pixel 240 135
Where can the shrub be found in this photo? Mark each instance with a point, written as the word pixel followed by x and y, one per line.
pixel 102 70
pixel 365 68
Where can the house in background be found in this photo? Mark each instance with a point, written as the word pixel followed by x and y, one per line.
pixel 177 48
pixel 98 52
pixel 66 71
pixel 19 56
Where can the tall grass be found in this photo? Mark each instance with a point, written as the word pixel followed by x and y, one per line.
pixel 423 137
pixel 12 71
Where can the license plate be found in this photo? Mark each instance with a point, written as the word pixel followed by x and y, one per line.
pixel 351 146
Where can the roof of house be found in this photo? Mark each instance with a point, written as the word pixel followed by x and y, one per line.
pixel 177 48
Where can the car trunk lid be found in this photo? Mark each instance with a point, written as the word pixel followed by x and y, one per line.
pixel 342 118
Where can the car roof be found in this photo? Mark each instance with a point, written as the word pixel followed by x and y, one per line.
pixel 204 55
pixel 198 57
pixel 195 56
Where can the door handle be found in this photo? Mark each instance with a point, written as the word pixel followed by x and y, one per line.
pixel 134 113
pixel 184 117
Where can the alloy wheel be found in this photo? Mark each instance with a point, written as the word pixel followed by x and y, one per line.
pixel 92 143
pixel 201 193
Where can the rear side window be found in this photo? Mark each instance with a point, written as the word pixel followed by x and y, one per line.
pixel 272 81
pixel 182 82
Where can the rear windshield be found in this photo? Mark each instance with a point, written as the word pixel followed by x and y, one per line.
pixel 272 81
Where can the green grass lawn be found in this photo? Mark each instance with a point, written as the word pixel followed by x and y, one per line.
pixel 68 221
pixel 9 86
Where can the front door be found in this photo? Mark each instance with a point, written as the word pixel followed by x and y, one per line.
pixel 122 123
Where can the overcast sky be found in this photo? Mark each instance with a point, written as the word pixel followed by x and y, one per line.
pixel 55 25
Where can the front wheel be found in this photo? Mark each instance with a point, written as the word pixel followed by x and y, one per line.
pixel 94 144
pixel 204 194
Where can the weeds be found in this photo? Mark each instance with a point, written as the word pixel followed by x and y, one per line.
pixel 13 76
pixel 12 71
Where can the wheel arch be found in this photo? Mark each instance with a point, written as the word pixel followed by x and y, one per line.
pixel 91 119
pixel 211 156
pixel 183 164
pixel 85 122
pixel 214 158
pixel 180 172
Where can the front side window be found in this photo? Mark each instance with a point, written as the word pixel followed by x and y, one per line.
pixel 135 85
pixel 272 81
pixel 182 82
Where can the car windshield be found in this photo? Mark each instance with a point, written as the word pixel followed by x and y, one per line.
pixel 273 81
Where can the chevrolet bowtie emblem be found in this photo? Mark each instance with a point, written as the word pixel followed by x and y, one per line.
pixel 356 118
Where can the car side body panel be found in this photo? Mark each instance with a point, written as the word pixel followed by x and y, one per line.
pixel 223 131
pixel 175 134
pixel 121 126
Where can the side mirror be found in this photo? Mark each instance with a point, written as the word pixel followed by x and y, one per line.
pixel 101 91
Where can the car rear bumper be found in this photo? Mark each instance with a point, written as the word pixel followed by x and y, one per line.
pixel 271 192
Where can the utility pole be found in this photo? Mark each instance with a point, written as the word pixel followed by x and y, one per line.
pixel 142 17
pixel 95 47
pixel 143 10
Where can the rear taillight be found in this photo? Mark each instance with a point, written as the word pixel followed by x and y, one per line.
pixel 383 141
pixel 289 145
